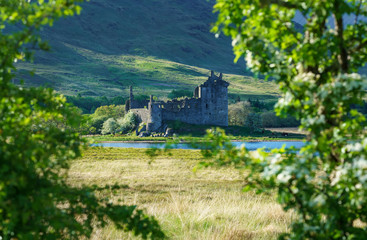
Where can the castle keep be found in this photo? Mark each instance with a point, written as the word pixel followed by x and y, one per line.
pixel 208 106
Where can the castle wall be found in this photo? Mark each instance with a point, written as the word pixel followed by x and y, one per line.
pixel 155 120
pixel 214 97
pixel 187 110
pixel 209 106
pixel 139 104
pixel 142 113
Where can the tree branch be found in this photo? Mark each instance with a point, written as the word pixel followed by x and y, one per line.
pixel 358 12
pixel 339 28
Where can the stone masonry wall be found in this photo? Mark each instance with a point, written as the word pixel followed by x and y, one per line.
pixel 187 110
pixel 209 106
pixel 142 113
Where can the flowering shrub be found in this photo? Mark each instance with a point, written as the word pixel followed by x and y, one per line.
pixel 325 182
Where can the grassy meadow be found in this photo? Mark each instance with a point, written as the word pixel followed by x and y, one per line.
pixel 206 204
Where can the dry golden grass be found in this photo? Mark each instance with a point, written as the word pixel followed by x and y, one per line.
pixel 207 204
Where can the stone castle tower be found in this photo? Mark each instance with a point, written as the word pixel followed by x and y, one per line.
pixel 209 106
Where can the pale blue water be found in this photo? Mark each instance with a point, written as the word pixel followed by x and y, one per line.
pixel 249 145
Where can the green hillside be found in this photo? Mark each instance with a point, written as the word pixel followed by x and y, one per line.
pixel 111 75
pixel 154 45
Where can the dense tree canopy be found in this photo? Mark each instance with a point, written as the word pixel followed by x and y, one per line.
pixel 35 200
pixel 316 67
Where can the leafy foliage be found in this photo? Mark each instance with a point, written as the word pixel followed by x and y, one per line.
pixel 180 93
pixel 121 125
pixel 127 123
pixel 254 114
pixel 238 112
pixel 37 142
pixel 101 114
pixel 110 111
pixel 109 126
pixel 270 120
pixel 253 121
pixel 90 104
pixel 324 182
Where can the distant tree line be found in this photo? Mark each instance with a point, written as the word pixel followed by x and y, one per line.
pixel 257 114
pixel 180 93
pixel 88 105
pixel 252 113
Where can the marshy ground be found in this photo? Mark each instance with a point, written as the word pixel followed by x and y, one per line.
pixel 206 204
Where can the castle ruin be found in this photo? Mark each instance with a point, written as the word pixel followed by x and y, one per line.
pixel 209 106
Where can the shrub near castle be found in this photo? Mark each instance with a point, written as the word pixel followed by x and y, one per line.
pixel 121 125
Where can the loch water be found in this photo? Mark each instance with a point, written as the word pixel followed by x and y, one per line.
pixel 249 145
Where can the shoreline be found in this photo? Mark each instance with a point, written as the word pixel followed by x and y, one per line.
pixel 253 140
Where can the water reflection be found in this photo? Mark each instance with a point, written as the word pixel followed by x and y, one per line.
pixel 249 145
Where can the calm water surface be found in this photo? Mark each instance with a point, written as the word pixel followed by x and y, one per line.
pixel 249 145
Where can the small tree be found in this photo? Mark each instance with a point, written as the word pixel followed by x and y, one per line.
pixel 109 126
pixel 103 113
pixel 111 111
pixel 127 123
pixel 270 119
pixel 179 94
pixel 253 121
pixel 315 65
pixel 238 113
pixel 37 142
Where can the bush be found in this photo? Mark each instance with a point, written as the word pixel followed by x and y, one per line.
pixel 110 111
pixel 103 113
pixel 128 123
pixel 97 122
pixel 270 120
pixel 90 104
pixel 238 112
pixel 109 126
pixel 253 121
pixel 180 93
pixel 176 124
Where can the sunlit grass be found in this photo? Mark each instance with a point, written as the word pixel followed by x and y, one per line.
pixel 207 204
pixel 111 75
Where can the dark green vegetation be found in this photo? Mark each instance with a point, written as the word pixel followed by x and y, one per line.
pixel 156 46
pixel 257 115
pixel 247 122
pixel 38 142
pixel 240 134
pixel 90 104
pixel 236 132
pixel 180 93
pixel 325 181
